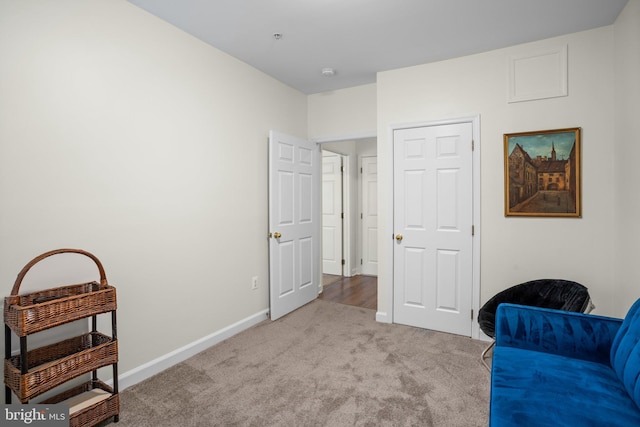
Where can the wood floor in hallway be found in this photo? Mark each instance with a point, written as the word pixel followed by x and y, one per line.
pixel 361 291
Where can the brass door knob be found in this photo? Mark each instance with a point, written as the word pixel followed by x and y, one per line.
pixel 277 235
pixel 399 237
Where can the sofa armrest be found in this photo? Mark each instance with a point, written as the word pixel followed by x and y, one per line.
pixel 565 333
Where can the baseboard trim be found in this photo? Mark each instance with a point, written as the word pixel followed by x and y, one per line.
pixel 181 354
pixel 382 317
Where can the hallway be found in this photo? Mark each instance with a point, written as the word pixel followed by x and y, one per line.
pixel 360 291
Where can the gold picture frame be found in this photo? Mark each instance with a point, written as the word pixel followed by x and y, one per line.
pixel 542 173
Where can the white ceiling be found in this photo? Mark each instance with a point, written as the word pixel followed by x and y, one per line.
pixel 358 38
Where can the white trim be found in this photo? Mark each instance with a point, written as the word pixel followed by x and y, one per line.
pixel 359 233
pixel 483 337
pixel 181 354
pixel 475 327
pixel 387 249
pixel 382 317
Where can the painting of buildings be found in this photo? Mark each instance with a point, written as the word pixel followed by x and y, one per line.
pixel 542 173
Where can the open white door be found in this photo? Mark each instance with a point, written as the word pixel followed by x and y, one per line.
pixel 369 174
pixel 332 214
pixel 294 223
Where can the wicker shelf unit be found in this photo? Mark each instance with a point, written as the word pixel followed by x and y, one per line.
pixel 33 372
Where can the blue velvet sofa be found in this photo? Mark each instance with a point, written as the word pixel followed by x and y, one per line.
pixel 557 368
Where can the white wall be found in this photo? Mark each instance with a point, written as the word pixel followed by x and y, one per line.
pixel 627 173
pixel 124 136
pixel 343 114
pixel 518 249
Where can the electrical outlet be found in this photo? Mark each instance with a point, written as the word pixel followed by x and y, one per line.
pixel 254 282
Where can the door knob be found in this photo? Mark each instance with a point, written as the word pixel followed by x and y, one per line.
pixel 399 237
pixel 277 235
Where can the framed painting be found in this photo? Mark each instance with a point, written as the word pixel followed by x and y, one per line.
pixel 542 173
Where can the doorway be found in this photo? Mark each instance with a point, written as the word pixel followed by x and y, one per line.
pixel 357 247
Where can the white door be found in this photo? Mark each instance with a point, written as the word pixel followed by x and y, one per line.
pixel 369 215
pixel 332 214
pixel 294 223
pixel 433 219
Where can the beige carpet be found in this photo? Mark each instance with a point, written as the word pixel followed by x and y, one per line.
pixel 326 364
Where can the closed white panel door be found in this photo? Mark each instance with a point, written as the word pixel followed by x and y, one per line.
pixel 332 214
pixel 433 218
pixel 370 215
pixel 294 223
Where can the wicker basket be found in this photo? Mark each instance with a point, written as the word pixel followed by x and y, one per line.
pixel 93 414
pixel 52 365
pixel 34 312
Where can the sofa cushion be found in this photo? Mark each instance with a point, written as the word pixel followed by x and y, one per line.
pixel 625 352
pixel 530 388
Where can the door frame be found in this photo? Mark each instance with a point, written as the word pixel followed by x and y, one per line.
pixel 348 246
pixel 385 248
